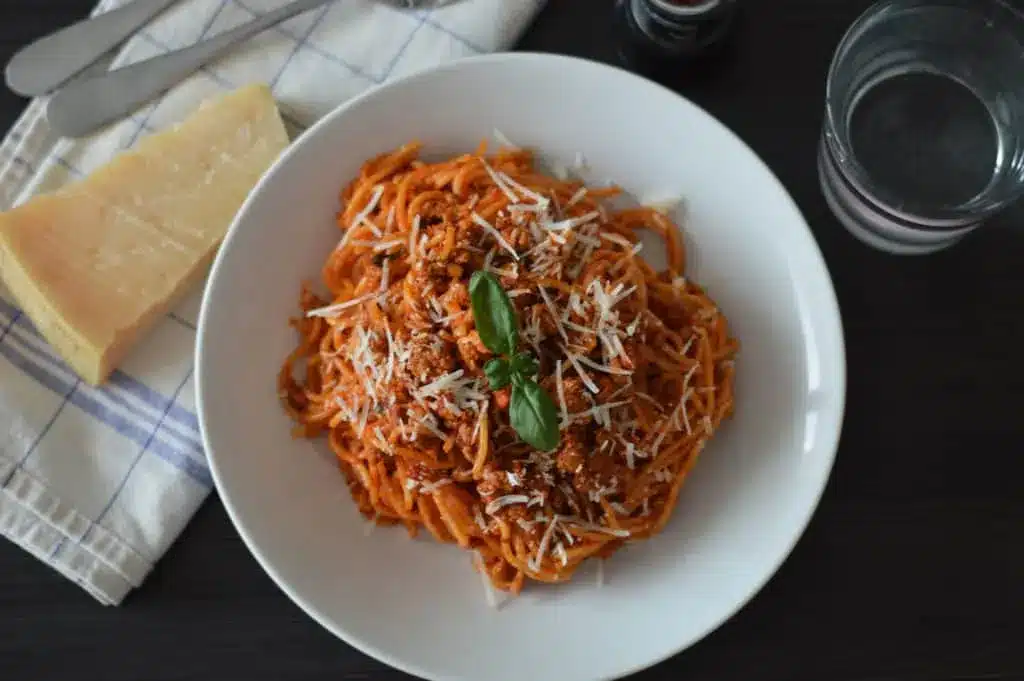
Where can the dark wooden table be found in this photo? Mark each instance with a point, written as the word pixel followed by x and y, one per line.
pixel 913 567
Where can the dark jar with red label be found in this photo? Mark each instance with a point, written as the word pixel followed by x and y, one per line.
pixel 657 33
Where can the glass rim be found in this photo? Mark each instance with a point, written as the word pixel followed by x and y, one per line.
pixel 949 216
pixel 687 10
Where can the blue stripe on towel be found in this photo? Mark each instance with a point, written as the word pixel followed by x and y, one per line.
pixel 119 382
pixel 188 459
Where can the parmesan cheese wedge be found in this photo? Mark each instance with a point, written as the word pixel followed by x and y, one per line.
pixel 96 264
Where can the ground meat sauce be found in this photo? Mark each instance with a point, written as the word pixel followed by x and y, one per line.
pixel 402 369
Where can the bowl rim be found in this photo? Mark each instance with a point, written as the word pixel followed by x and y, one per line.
pixel 829 302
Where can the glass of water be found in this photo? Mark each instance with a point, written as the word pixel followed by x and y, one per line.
pixel 924 121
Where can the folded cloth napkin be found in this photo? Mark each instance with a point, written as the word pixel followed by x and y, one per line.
pixel 99 482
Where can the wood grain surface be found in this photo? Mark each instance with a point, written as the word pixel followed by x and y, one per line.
pixel 913 567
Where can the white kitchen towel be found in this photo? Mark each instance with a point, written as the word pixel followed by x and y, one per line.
pixel 99 482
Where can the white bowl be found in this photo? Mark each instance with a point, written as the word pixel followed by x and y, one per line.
pixel 418 605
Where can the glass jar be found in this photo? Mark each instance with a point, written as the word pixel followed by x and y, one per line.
pixel 657 33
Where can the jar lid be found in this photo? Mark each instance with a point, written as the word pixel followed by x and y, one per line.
pixel 686 8
pixel 681 26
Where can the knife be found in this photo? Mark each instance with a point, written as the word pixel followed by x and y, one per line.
pixel 87 105
pixel 52 60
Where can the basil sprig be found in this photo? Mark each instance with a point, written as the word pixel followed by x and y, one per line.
pixel 532 413
pixel 493 313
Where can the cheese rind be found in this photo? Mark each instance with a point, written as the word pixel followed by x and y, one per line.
pixel 96 264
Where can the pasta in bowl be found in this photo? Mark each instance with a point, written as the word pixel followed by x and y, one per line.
pixel 626 372
pixel 737 322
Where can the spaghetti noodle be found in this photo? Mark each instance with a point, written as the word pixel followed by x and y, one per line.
pixel 390 367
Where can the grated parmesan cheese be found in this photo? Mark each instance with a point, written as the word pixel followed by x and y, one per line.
pixel 386 245
pixel 688 376
pixel 576 327
pixel 619 295
pixel 682 409
pixel 571 223
pixel 506 190
pixel 362 419
pixel 567 535
pixel 619 508
pixel 528 207
pixel 560 384
pixel 618 350
pixel 658 440
pixel 663 476
pixel 525 191
pixel 442 383
pixel 689 343
pixel 489 228
pixel 385 275
pixel 382 442
pixel 560 553
pixel 601 367
pixel 577 197
pixel 584 376
pixel 617 239
pixel 507 500
pixel 371 205
pixel 431 487
pixel 504 141
pixel 431 426
pixel 492 600
pixel 373 228
pixel 535 561
pixel 333 310
pixel 391 350
pixel 593 527
pixel 631 329
pixel 554 313
pixel 601 412
pixel 345 411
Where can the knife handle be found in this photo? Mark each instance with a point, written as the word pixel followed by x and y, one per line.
pixel 87 105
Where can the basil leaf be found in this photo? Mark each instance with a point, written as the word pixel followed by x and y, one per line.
pixel 533 416
pixel 498 373
pixel 493 313
pixel 524 364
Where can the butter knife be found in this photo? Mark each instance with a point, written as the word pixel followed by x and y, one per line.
pixel 54 59
pixel 85 106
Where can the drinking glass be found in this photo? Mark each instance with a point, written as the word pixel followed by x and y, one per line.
pixel 923 136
